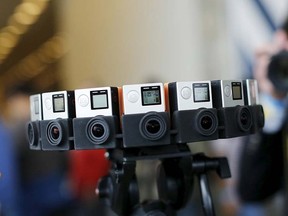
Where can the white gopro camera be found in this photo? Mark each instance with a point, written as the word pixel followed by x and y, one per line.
pixel 58 104
pixel 190 95
pixel 96 101
pixel 143 98
pixel 36 107
pixel 227 93
pixel 251 96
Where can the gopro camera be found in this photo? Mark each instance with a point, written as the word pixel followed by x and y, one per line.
pixel 97 122
pixel 251 98
pixel 145 122
pixel 192 112
pixel 235 119
pixel 56 127
pixel 58 105
pixel 33 127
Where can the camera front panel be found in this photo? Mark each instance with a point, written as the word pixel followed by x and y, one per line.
pixel 227 93
pixel 96 133
pixel 57 134
pixel 35 107
pixel 58 105
pixel 33 135
pixel 190 95
pixel 150 129
pixel 143 98
pixel 235 121
pixel 250 89
pixel 195 125
pixel 96 101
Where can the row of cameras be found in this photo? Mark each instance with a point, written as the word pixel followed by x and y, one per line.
pixel 144 115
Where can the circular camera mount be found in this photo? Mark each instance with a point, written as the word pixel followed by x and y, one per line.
pixel 153 126
pixel 32 134
pixel 98 130
pixel 244 119
pixel 54 133
pixel 207 122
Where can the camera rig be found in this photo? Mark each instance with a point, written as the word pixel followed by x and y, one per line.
pixel 148 135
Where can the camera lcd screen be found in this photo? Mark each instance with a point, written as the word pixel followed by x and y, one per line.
pixel 236 91
pixel 151 95
pixel 99 99
pixel 201 92
pixel 36 105
pixel 58 103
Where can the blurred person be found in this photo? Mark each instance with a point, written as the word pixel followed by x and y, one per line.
pixel 261 162
pixel 9 191
pixel 42 177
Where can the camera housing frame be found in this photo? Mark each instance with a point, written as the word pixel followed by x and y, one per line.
pixel 58 104
pixel 99 132
pixel 192 112
pixel 57 134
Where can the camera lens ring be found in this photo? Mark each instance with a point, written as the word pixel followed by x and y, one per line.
pixel 244 119
pixel 32 134
pixel 207 122
pixel 153 126
pixel 97 130
pixel 54 133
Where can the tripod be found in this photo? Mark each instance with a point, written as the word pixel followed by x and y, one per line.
pixel 175 180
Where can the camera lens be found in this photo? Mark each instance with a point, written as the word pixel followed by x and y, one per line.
pixel 153 126
pixel 98 130
pixel 206 122
pixel 244 119
pixel 54 133
pixel 32 134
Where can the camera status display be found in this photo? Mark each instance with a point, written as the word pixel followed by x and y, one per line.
pixel 236 91
pixel 99 99
pixel 151 95
pixel 201 92
pixel 58 103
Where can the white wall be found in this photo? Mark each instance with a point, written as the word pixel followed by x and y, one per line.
pixel 120 42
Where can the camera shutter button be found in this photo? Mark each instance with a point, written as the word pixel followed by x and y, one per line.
pixel 48 103
pixel 186 93
pixel 227 91
pixel 133 96
pixel 83 100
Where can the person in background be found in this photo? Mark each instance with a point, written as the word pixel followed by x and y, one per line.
pixel 43 185
pixel 9 191
pixel 261 162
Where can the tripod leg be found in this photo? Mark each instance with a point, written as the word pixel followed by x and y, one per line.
pixel 207 202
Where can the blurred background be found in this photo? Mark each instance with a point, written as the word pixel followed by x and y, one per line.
pixel 49 45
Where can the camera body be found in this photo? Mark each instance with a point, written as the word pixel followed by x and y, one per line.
pixel 33 127
pixel 56 127
pixel 145 121
pixel 192 112
pixel 251 99
pixel 235 119
pixel 97 122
